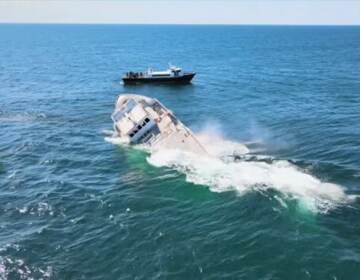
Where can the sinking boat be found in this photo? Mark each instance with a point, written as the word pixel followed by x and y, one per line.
pixel 140 120
pixel 172 75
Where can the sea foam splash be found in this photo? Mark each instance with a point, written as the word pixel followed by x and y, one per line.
pixel 17 269
pixel 21 116
pixel 230 166
pixel 222 172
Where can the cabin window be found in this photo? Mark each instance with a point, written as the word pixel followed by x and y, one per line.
pixel 161 75
pixel 131 134
pixel 143 137
pixel 147 120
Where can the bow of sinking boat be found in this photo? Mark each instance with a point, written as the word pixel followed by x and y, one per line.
pixel 141 120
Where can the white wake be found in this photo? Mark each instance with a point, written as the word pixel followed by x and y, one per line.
pixel 230 166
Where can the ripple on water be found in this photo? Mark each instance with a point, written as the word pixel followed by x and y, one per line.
pixel 21 117
pixel 11 268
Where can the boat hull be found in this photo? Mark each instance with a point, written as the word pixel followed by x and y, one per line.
pixel 141 120
pixel 183 79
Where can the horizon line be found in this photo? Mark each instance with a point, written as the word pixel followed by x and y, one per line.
pixel 165 23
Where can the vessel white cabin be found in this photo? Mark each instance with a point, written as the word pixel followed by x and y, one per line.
pixel 173 71
pixel 143 120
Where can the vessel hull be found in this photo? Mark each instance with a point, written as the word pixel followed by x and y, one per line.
pixel 184 79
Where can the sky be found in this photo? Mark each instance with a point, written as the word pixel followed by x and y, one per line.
pixel 292 12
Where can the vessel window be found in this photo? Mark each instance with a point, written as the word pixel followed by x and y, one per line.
pixel 139 126
pixel 147 120
pixel 161 75
pixel 131 134
pixel 144 136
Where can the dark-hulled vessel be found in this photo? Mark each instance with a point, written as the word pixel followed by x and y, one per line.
pixel 172 75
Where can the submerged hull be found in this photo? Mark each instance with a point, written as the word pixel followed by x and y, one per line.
pixel 183 79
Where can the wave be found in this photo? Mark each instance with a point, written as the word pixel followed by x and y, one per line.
pixel 116 140
pixel 21 117
pixel 11 268
pixel 40 209
pixel 231 166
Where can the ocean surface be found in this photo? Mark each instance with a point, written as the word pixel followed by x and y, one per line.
pixel 278 108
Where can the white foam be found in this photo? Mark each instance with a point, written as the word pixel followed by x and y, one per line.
pixel 243 176
pixel 220 172
pixel 108 132
pixel 18 269
pixel 23 210
pixel 217 146
pixel 21 117
pixel 117 140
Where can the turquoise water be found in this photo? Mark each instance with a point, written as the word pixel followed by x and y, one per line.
pixel 284 100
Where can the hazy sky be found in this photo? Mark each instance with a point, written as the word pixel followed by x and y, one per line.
pixel 183 11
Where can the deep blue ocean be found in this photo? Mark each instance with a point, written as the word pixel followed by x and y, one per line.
pixel 285 100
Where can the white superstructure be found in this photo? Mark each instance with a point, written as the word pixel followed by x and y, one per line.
pixel 172 75
pixel 172 71
pixel 143 120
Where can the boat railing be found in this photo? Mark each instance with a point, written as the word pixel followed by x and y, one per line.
pixel 134 75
